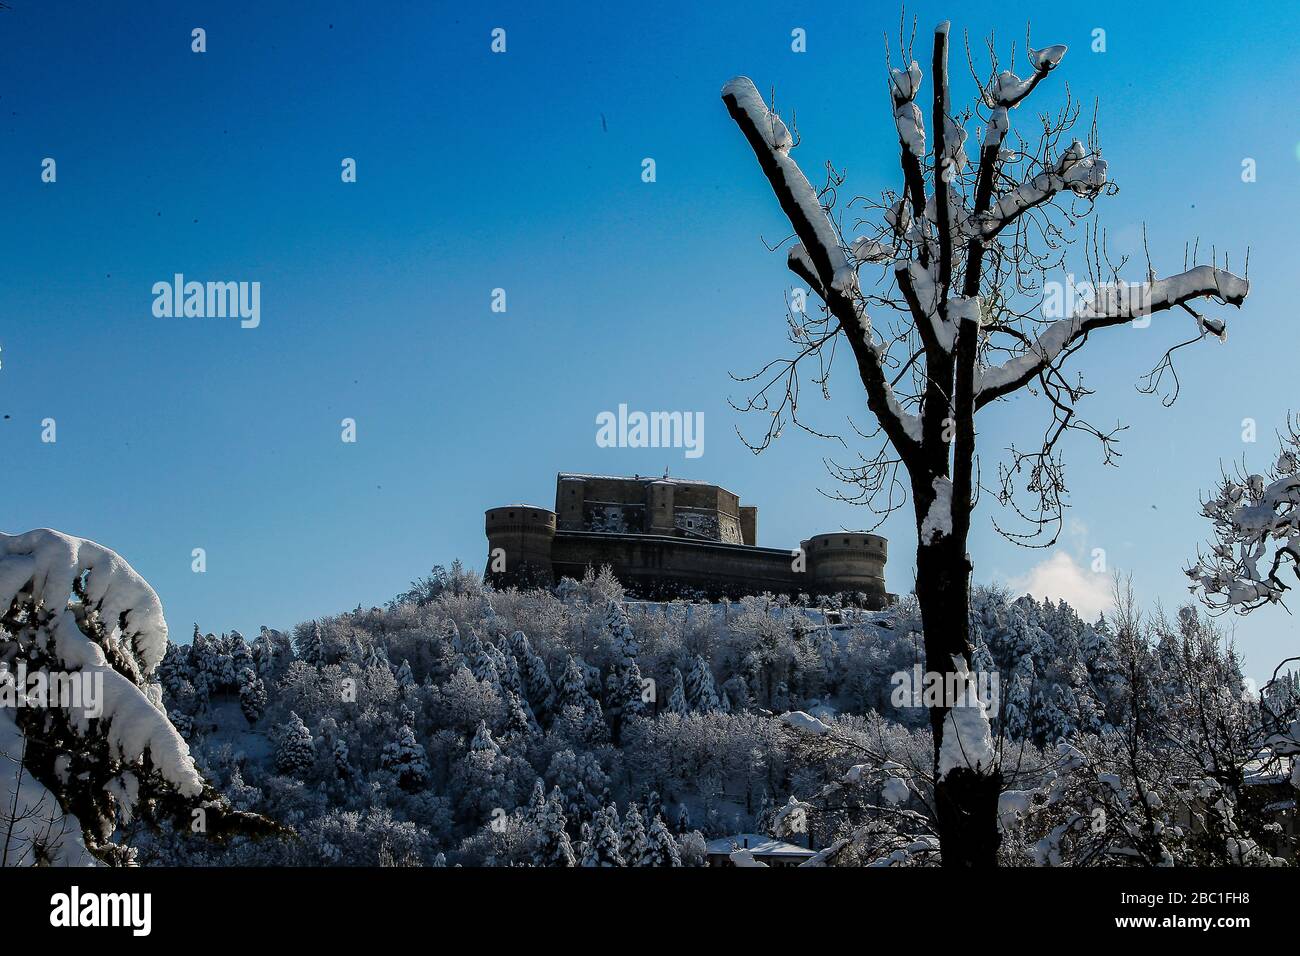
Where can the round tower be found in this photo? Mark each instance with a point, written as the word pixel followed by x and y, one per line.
pixel 848 561
pixel 519 544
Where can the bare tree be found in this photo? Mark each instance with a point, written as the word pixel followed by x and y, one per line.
pixel 957 266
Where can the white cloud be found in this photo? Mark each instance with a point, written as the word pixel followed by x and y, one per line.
pixel 1059 577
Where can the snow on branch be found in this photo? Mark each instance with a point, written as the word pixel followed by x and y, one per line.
pixel 820 258
pixel 1256 520
pixel 1006 91
pixel 1112 304
pixel 804 723
pixel 903 87
pixel 1082 173
pixel 771 140
pixel 96 607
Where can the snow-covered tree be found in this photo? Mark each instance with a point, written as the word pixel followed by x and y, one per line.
pixel 552 842
pixel 581 780
pixel 536 803
pixel 603 848
pixel 1256 521
pixel 677 703
pixel 519 722
pixel 574 698
pixel 959 293
pixel 404 676
pixel 661 848
pixel 624 684
pixel 92 748
pixel 295 749
pixel 701 692
pixel 252 695
pixel 343 768
pixel 539 690
pixel 272 653
pixel 406 758
pixel 632 842
pixel 311 644
pixel 485 779
pixel 618 629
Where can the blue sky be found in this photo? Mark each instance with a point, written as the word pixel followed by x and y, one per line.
pixel 522 171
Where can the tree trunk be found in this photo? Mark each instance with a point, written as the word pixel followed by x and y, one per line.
pixel 965 802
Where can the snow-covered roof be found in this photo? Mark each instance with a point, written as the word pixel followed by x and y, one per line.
pixel 759 844
pixel 652 478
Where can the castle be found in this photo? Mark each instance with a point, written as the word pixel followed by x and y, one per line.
pixel 665 537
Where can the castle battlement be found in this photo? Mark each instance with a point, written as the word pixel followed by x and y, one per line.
pixel 668 536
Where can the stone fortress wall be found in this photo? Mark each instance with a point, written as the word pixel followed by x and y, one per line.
pixel 665 537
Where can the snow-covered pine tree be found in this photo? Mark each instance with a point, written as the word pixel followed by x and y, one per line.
pixel 701 692
pixel 536 804
pixel 512 681
pixel 295 750
pixel 272 653
pixel 552 846
pixel 581 781
pixel 519 723
pixel 603 848
pixel 625 696
pixel 252 695
pixel 572 693
pixel 654 805
pixel 451 635
pixel 405 678
pixel 263 653
pixel 618 630
pixel 406 758
pixel 677 698
pixel 343 768
pixel 584 841
pixel 539 690
pixel 374 656
pixel 483 781
pixel 311 644
pixel 1017 706
pixel 632 841
pixel 661 847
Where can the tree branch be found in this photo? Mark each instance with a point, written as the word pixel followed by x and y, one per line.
pixel 1114 304
pixel 771 142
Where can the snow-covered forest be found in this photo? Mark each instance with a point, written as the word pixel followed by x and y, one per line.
pixel 573 726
